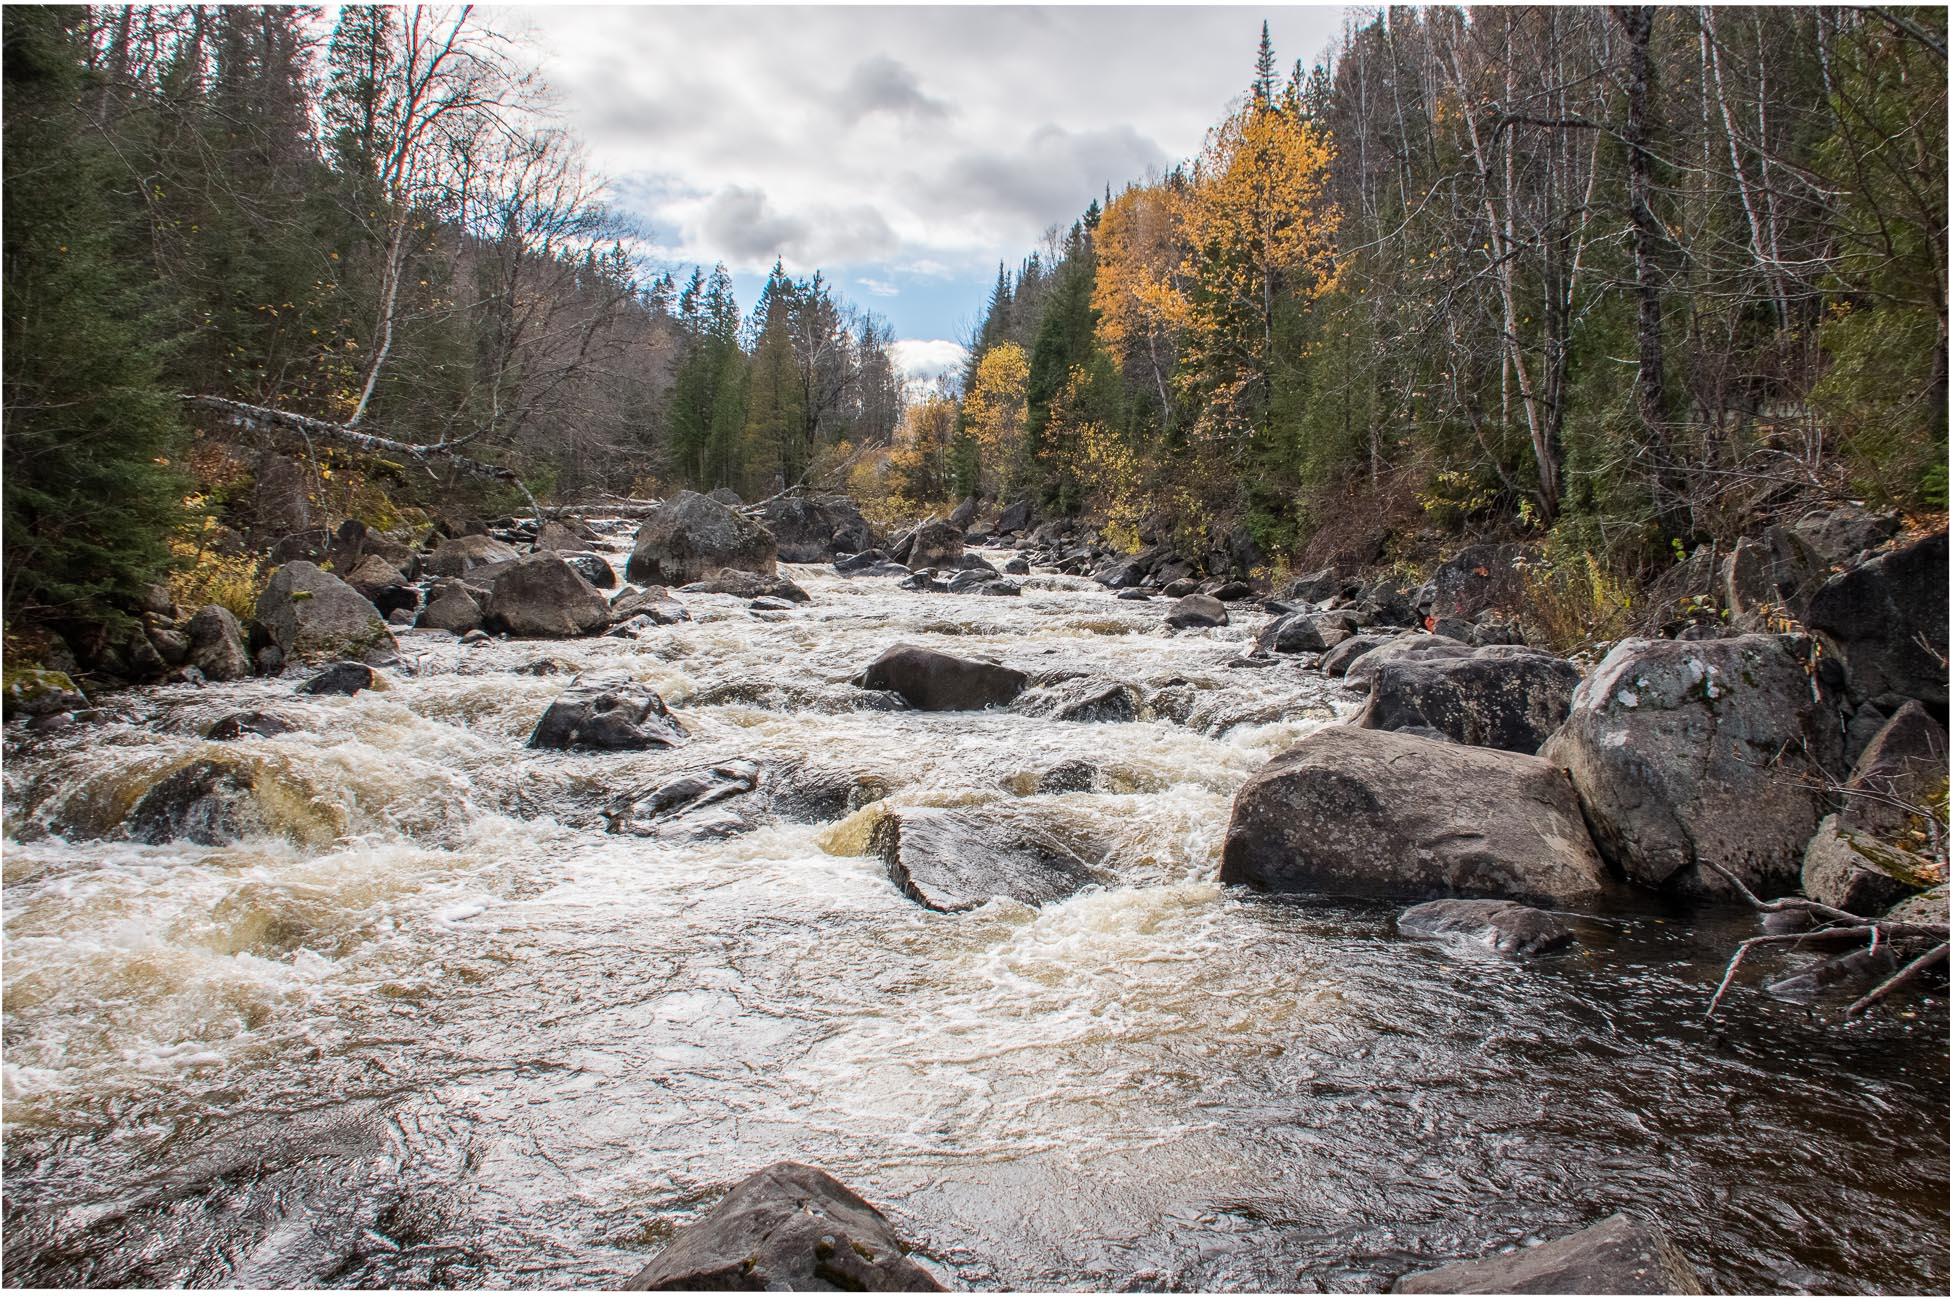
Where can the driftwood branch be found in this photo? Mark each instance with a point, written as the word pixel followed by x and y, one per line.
pixel 1837 924
pixel 312 427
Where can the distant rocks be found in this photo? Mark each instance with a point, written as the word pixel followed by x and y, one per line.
pixel 343 678
pixel 1301 633
pixel 457 556
pixel 750 586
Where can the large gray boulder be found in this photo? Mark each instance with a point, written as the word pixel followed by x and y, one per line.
pixel 1686 752
pixel 1615 1256
pixel 691 537
pixel 1844 532
pixel 1490 697
pixel 1888 622
pixel 607 713
pixel 217 645
pixel 936 545
pixel 788 1227
pixel 956 859
pixel 810 528
pixel 458 556
pixel 1197 611
pixel 933 681
pixel 311 616
pixel 543 596
pixel 1382 814
pixel 452 606
pixel 1408 646
pixel 1306 632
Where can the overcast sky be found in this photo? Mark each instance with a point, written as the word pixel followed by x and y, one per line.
pixel 904 151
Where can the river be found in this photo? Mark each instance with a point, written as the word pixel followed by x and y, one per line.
pixel 437 1028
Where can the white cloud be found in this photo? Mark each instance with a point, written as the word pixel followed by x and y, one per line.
pixel 922 362
pixel 879 288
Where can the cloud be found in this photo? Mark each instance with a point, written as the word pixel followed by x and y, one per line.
pixel 922 361
pixel 885 85
pixel 744 228
pixel 879 288
pixel 1050 177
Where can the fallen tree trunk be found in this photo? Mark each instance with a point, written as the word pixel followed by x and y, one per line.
pixel 310 426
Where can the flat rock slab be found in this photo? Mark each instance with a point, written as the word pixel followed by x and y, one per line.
pixel 788 1227
pixel 1507 927
pixel 955 860
pixel 1616 1256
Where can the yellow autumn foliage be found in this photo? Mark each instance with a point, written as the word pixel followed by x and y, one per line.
pixel 998 410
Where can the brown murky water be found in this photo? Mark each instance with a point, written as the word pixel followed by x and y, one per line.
pixel 436 1028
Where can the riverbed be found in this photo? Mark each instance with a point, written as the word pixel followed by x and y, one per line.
pixel 438 1028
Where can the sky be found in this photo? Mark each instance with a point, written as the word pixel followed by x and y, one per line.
pixel 903 151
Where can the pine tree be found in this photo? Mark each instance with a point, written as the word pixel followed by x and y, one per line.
pixel 1263 76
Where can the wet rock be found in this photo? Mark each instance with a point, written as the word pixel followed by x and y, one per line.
pixel 542 596
pixel 452 606
pixel 690 807
pixel 956 859
pixel 1017 567
pixel 311 616
pixel 205 802
pixel 1684 752
pixel 771 605
pixel 1377 813
pixel 1304 633
pixel 1616 1256
pixel 345 678
pixel 933 681
pixel 1075 776
pixel 810 528
pixel 653 603
pixel 690 538
pixel 1887 622
pixel 750 586
pixel 607 713
pixel 1859 873
pixel 40 693
pixel 236 726
pixel 594 568
pixel 859 561
pixel 1495 698
pixel 1905 766
pixel 788 1227
pixel 1197 611
pixel 1476 579
pixel 459 556
pixel 1082 699
pixel 1505 926
pixel 1335 662
pixel 932 546
pixel 476 637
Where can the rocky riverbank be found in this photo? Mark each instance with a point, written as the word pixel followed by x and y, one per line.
pixel 1005 742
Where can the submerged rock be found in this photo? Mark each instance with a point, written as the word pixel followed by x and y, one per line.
pixel 1852 973
pixel 1505 926
pixel 236 726
pixel 607 713
pixel 933 681
pixel 1378 813
pixel 956 859
pixel 1615 1256
pixel 691 806
pixel 346 678
pixel 788 1227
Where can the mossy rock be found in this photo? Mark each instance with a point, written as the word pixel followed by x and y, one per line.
pixel 35 692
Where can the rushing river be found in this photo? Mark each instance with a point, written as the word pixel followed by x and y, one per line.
pixel 442 1030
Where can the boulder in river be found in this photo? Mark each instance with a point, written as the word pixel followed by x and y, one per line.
pixel 693 806
pixel 750 586
pixel 458 556
pixel 811 527
pixel 543 596
pixel 1505 926
pixel 1888 622
pixel 1081 699
pixel 654 603
pixel 226 796
pixel 595 570
pixel 217 645
pixel 607 713
pixel 1615 1256
pixel 1196 611
pixel 691 537
pixel 935 545
pixel 1381 814
pixel 41 693
pixel 452 606
pixel 312 616
pixel 1303 633
pixel 236 726
pixel 342 678
pixel 1492 697
pixel 788 1227
pixel 1686 752
pixel 933 681
pixel 956 859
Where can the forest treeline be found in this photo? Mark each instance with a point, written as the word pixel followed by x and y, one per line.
pixel 373 223
pixel 1617 280
pixel 1622 279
